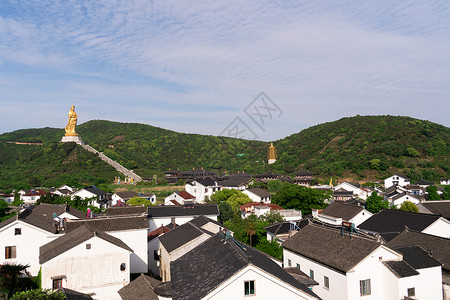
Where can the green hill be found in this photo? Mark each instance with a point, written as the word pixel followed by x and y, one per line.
pixel 361 147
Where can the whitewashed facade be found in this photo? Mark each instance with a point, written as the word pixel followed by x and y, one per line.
pixel 396 180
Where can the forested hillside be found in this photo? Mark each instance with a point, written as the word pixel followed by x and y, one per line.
pixel 361 147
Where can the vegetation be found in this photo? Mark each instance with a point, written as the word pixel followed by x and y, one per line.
pixel 300 198
pixel 139 201
pixel 38 294
pixel 361 147
pixel 409 206
pixel 375 203
pixel 432 193
pixel 13 278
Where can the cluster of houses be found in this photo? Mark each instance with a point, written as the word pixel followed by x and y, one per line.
pixel 180 251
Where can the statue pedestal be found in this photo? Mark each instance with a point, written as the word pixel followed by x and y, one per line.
pixel 75 139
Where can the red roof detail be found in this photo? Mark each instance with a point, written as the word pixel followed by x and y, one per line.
pixel 36 193
pixel 157 232
pixel 175 202
pixel 254 204
pixel 185 195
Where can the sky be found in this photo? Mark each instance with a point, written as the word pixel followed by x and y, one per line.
pixel 251 69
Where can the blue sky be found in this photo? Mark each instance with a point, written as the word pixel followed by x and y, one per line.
pixel 195 66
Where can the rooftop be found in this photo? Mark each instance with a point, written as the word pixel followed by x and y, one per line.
pixel 340 210
pixel 114 223
pixel 140 288
pixel 179 210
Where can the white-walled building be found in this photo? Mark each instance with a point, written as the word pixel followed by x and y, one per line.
pixel 86 260
pixel 233 271
pixel 258 195
pixel 396 180
pixel 398 199
pixel 22 235
pixel 352 266
pixel 91 192
pixel 164 215
pixel 123 197
pixel 202 189
pixel 179 198
pixel 8 198
pixel 132 230
pixel 30 197
pixel 337 212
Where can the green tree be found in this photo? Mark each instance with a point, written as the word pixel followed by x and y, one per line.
pixel 300 197
pixel 272 217
pixel 226 212
pixel 272 248
pixel 432 193
pixel 250 225
pixel 446 193
pixel 375 203
pixel 409 206
pixel 223 195
pixel 4 209
pixel 237 200
pixel 275 185
pixel 38 295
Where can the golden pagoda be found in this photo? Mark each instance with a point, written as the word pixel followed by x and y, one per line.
pixel 271 154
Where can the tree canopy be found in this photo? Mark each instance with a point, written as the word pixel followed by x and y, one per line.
pixel 300 197
pixel 375 203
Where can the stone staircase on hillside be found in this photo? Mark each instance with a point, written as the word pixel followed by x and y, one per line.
pixel 113 163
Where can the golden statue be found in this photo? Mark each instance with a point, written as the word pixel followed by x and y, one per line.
pixel 70 127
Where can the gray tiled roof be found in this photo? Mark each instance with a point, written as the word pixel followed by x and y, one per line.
pixel 114 223
pixel 126 210
pixel 328 246
pixel 417 257
pixel 41 216
pixel 192 278
pixel 180 210
pixel 74 238
pixel 438 247
pixel 437 207
pixel 127 194
pixel 259 192
pixel 179 236
pixel 400 268
pixel 140 288
pixel 389 220
pixel 340 210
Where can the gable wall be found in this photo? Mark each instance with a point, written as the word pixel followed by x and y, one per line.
pixel 361 217
pixel 136 240
pixel 266 287
pixel 27 244
pixel 439 228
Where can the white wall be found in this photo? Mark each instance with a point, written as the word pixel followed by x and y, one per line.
pixel 155 223
pixel 152 263
pixel 88 270
pixel 388 182
pixel 266 287
pixel 338 280
pixel 361 217
pixel 439 228
pixel 27 244
pixel 399 201
pixel 136 240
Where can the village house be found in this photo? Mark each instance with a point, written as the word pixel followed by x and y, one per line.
pixel 63 190
pixel 87 260
pixel 179 214
pixel 22 235
pixel 130 229
pixel 258 195
pixel 337 212
pixel 234 271
pixel 8 198
pixel 396 180
pixel 436 247
pixel 122 197
pixel 179 198
pixel 266 177
pixel 31 196
pixel 303 178
pixel 238 182
pixel 98 196
pixel 182 239
pixel 435 207
pixel 153 247
pixel 350 265
pixel 202 189
pixel 141 288
pixel 397 220
pixel 280 232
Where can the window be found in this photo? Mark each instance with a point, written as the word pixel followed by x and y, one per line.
pixel 10 252
pixel 249 287
pixel 17 231
pixel 364 287
pixel 298 266
pixel 123 266
pixel 289 263
pixel 326 282
pixel 88 246
pixel 311 274
pixel 411 292
pixel 57 283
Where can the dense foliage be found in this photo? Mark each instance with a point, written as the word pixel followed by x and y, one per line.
pixel 300 198
pixel 361 147
pixel 375 203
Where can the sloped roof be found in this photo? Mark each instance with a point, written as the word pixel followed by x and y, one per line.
pixel 272 206
pixel 400 268
pixel 126 210
pixel 205 181
pixel 157 232
pixel 140 288
pixel 41 216
pixel 389 220
pixel 74 238
pixel 185 195
pixel 192 278
pixel 417 257
pixel 285 227
pixel 340 210
pixel 94 190
pixel 438 247
pixel 235 181
pixel 300 276
pixel 328 246
pixel 260 192
pixel 178 210
pixel 181 235
pixel 110 223
pixel 438 207
pixel 127 194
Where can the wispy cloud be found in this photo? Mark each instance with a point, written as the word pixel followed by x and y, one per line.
pixel 199 64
